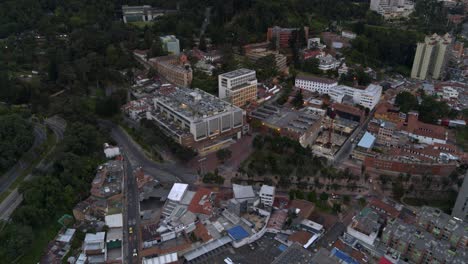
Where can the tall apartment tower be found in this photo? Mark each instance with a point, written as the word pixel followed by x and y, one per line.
pixel 431 57
pixel 460 209
pixel 238 87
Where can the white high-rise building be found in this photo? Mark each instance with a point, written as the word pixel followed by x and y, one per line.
pixel 431 57
pixel 267 195
pixel 460 209
pixel 238 87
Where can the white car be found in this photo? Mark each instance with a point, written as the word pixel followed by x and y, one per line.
pixel 135 252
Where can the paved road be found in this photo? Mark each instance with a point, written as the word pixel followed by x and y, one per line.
pixel 132 214
pixel 164 172
pixel 15 198
pixel 135 157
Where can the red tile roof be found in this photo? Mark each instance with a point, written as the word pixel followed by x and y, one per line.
pixel 306 207
pixel 202 233
pixel 388 209
pixel 301 237
pixel 201 202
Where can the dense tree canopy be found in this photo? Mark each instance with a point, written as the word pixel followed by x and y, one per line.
pixel 406 101
pixel 16 137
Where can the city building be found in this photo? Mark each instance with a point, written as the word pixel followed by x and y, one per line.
pixel 175 69
pixel 392 8
pixel 460 209
pixel 448 93
pixel 314 84
pixel 302 125
pixel 314 43
pixel 334 41
pixel 423 132
pixel 367 97
pixel 142 13
pixel 297 254
pixel 170 44
pixel 108 180
pixel 348 34
pixel 431 57
pixel 258 53
pixel 365 226
pixel 238 87
pixel 328 62
pixel 267 195
pixel 282 36
pixel 94 246
pixel 434 238
pixel 196 119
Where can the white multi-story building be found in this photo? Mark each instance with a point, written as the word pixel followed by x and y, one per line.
pixel 238 87
pixel 183 111
pixel 392 8
pixel 328 62
pixel 368 97
pixel 315 84
pixel 449 92
pixel 267 195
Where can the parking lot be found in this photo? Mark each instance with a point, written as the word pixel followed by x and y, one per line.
pixel 264 250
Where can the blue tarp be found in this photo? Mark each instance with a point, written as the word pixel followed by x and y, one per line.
pixel 282 247
pixel 343 256
pixel 238 233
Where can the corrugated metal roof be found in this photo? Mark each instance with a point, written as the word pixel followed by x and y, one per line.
pixel 366 141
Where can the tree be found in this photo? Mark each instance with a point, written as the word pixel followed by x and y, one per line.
pixel 299 194
pixel 156 49
pixel 323 196
pixel 223 155
pixel 406 101
pixel 431 110
pixel 312 197
pixel 311 66
pixel 298 100
pixel 16 135
pixel 346 199
pixel 336 208
pixel 202 44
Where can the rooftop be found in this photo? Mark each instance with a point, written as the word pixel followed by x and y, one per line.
pixel 237 73
pixel 242 192
pixel 367 141
pixel 202 202
pixel 193 103
pixel 306 208
pixel 177 192
pixel 114 220
pixel 307 77
pixel 266 189
pixel 295 254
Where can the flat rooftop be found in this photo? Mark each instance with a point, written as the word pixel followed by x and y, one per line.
pixel 237 73
pixel 193 103
pixel 296 120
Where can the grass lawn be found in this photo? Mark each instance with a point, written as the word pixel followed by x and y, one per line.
pixel 40 241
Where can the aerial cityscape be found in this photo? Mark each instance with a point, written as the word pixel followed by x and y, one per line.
pixel 234 131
